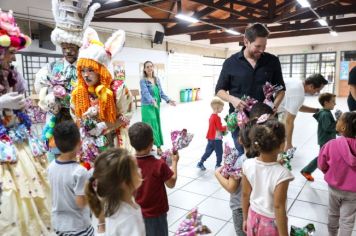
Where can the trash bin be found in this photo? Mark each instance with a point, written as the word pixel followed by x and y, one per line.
pixel 190 95
pixel 182 95
pixel 186 95
pixel 194 96
pixel 197 97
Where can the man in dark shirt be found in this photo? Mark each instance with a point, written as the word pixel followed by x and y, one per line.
pixel 245 73
pixel 351 100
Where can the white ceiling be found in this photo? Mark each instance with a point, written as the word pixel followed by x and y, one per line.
pixel 42 8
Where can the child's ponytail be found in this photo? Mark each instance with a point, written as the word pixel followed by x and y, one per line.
pixel 93 199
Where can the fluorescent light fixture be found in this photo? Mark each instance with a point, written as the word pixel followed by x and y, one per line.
pixel 304 3
pixel 232 32
pixel 333 33
pixel 322 22
pixel 187 18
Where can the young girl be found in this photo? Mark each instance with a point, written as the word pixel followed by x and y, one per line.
pixel 337 160
pixel 233 185
pixel 265 183
pixel 110 190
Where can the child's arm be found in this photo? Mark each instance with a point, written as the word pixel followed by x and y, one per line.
pixel 80 179
pixel 279 198
pixel 219 125
pixel 246 193
pixel 323 158
pixel 230 184
pixel 81 201
pixel 172 181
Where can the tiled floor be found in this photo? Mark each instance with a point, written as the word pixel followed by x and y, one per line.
pixel 307 202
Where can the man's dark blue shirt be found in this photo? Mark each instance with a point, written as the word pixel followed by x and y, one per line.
pixel 239 78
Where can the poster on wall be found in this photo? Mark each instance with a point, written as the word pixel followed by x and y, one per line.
pixel 159 70
pixel 344 70
pixel 119 70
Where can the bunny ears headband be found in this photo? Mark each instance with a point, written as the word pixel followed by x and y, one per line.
pixel 94 50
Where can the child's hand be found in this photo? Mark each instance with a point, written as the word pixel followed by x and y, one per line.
pixel 244 226
pixel 217 171
pixel 175 157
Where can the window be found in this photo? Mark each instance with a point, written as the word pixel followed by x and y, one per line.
pixel 31 63
pixel 303 65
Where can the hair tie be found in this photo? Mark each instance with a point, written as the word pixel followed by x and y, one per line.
pixel 263 118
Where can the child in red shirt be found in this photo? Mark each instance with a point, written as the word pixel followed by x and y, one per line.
pixel 152 195
pixel 215 134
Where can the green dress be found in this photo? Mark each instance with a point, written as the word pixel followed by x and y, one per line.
pixel 151 115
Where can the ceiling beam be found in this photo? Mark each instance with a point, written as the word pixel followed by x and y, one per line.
pixel 200 14
pixel 271 8
pixel 223 8
pixel 286 14
pixel 115 8
pixel 288 34
pixel 171 9
pixel 223 22
pixel 327 11
pixel 255 6
pixel 280 28
pixel 181 29
pixel 286 6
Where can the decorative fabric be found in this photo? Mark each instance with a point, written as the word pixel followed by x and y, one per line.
pixel 287 156
pixel 60 78
pixel 232 163
pixel 269 90
pixel 192 225
pixel 16 128
pixel 72 17
pixel 242 116
pixel 307 230
pixel 180 139
pixel 36 114
pixel 10 34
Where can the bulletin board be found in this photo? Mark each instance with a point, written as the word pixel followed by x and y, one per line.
pixel 119 70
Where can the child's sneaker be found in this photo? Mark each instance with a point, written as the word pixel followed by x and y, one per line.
pixel 201 166
pixel 308 176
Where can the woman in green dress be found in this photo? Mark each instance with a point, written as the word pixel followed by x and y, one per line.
pixel 151 96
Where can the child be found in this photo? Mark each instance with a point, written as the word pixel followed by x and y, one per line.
pixel 265 183
pixel 70 214
pixel 337 160
pixel 232 185
pixel 152 196
pixel 215 134
pixel 115 179
pixel 326 129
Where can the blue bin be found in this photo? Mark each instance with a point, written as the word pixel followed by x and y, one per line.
pixel 190 95
pixel 186 95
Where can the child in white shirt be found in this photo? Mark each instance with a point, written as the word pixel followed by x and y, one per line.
pixel 265 183
pixel 110 192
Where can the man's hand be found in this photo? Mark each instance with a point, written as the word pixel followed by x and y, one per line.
pixel 12 100
pixel 237 103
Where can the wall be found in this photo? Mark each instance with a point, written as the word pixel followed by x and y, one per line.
pixel 332 47
pixel 183 68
